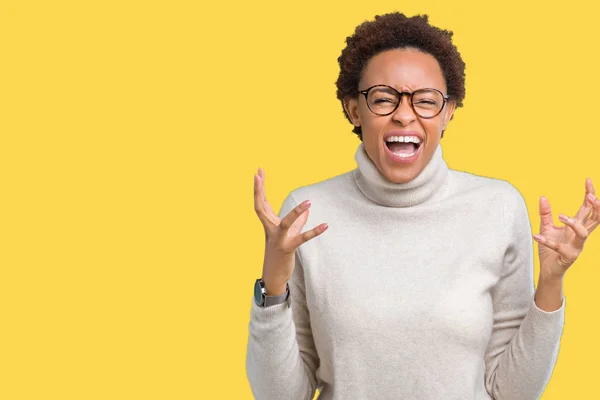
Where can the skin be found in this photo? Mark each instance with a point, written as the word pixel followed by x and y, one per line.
pixel 405 70
pixel 560 246
pixel 408 70
pixel 282 237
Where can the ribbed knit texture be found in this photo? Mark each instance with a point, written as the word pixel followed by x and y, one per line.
pixel 420 290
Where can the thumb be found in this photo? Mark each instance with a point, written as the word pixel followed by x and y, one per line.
pixel 546 220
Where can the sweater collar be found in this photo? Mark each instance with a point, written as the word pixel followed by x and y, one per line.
pixel 375 186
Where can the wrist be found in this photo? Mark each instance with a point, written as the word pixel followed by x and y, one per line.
pixel 551 280
pixel 275 289
pixel 549 293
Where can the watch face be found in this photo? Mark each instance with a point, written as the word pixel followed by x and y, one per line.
pixel 258 294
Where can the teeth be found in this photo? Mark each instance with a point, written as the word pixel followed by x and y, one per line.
pixel 405 155
pixel 404 139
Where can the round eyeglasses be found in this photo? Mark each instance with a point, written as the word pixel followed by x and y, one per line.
pixel 384 100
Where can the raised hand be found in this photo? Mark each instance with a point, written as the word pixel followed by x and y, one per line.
pixel 282 237
pixel 559 246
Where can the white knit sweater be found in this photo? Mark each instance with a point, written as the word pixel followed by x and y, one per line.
pixel 419 290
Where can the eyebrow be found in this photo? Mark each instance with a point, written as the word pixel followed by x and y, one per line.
pixel 384 89
pixel 390 90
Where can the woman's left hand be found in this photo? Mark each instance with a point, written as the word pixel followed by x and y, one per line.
pixel 559 246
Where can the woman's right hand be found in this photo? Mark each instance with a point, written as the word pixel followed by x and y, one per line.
pixel 282 237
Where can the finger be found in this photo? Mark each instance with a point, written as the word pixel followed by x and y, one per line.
pixel 308 235
pixel 546 221
pixel 589 186
pixel 584 211
pixel 567 255
pixel 594 220
pixel 259 204
pixel 299 223
pixel 268 209
pixel 581 233
pixel 293 215
pixel 261 176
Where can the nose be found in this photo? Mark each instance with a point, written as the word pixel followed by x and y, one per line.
pixel 404 113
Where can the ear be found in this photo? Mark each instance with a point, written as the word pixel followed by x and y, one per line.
pixel 351 108
pixel 450 107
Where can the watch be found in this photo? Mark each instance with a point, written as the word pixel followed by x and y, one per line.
pixel 261 298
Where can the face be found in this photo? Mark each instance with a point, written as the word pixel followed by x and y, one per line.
pixel 406 70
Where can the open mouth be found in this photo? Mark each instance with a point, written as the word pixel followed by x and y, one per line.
pixel 403 149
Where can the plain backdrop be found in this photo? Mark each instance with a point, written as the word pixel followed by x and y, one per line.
pixel 130 132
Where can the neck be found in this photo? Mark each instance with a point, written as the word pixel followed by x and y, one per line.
pixel 376 187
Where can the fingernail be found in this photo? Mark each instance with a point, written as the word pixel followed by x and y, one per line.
pixel 306 203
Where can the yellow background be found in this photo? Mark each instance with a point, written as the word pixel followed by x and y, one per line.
pixel 130 133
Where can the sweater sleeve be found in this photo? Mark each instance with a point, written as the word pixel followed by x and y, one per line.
pixel 281 358
pixel 524 343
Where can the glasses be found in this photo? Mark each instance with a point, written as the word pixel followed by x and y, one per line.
pixel 384 100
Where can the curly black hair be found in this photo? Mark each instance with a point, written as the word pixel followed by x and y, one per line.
pixel 392 31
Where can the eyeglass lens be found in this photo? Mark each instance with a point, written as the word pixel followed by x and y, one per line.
pixel 426 102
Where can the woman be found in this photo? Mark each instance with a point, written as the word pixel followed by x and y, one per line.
pixel 422 285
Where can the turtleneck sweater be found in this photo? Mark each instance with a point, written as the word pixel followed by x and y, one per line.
pixel 417 290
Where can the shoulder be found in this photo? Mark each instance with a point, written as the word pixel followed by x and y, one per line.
pixel 327 189
pixel 325 192
pixel 500 190
pixel 500 198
